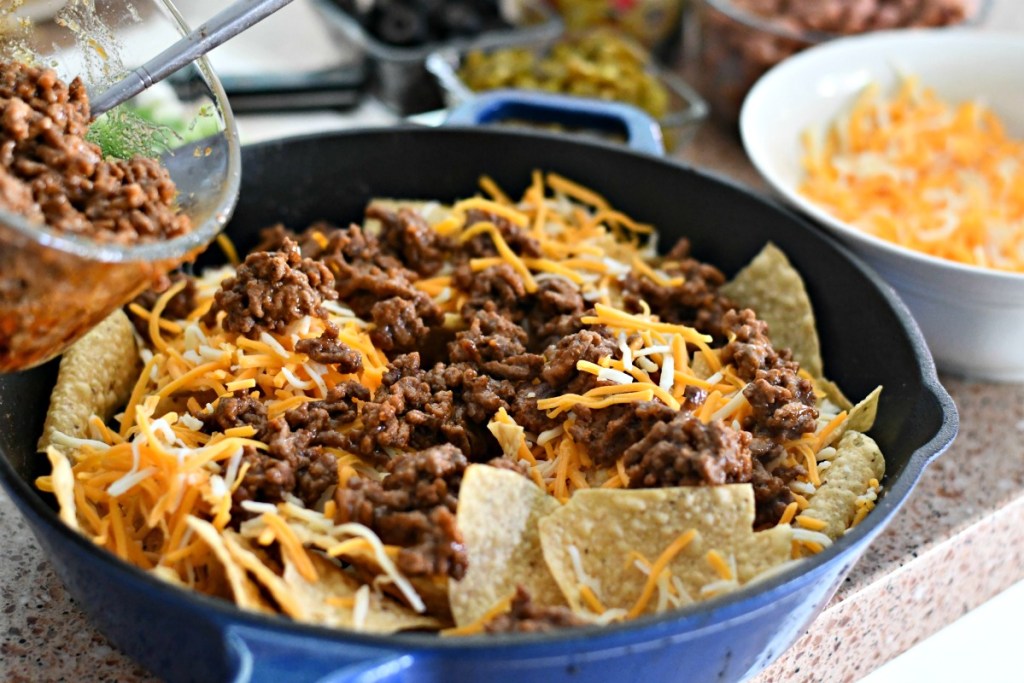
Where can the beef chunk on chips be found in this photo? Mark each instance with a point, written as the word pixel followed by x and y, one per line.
pixel 413 507
pixel 687 452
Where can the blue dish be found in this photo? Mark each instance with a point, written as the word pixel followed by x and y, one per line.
pixel 868 338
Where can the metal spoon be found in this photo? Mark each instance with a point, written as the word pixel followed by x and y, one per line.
pixel 227 24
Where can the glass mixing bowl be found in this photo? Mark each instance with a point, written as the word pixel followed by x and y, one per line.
pixel 54 286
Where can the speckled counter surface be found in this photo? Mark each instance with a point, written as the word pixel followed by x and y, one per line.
pixel 958 541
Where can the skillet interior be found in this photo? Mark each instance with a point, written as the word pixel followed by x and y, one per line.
pixel 867 336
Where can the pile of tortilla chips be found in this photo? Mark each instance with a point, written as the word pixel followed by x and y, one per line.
pixel 149 485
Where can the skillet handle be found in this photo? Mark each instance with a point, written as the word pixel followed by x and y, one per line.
pixel 268 656
pixel 642 132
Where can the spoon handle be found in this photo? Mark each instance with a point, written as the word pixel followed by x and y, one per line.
pixel 234 19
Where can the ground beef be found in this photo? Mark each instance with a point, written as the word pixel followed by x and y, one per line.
pixel 497 288
pixel 410 238
pixel 16 197
pixel 771 493
pixel 292 464
pixel 324 419
pixel 783 410
pixel 328 349
pixel 364 273
pixel 413 506
pixel 273 237
pixel 525 412
pixel 751 349
pixel 352 246
pixel 590 345
pixel 496 346
pixel 271 290
pixel 518 239
pixel 555 313
pixel 783 404
pixel 693 397
pixel 608 433
pixel 398 325
pixel 51 174
pixel 686 452
pixel 233 411
pixel 295 462
pixel 414 409
pixel 696 302
pixel 377 287
pixel 526 617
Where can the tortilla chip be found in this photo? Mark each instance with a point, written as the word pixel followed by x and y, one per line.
pixel 858 460
pixel 860 418
pixel 700 366
pixel 246 593
pixel 62 479
pixel 833 393
pixel 509 437
pixel 498 514
pixel 432 590
pixel 237 546
pixel 331 601
pixel 606 526
pixel 775 290
pixel 96 377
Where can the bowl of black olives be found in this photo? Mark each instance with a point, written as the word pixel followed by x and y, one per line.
pixel 397 36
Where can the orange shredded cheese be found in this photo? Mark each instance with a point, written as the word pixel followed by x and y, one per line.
pixel 517 218
pixel 488 185
pixel 513 259
pixel 824 436
pixel 667 555
pixel 228 247
pixel 788 514
pixel 943 179
pixel 503 606
pixel 341 600
pixel 291 545
pixel 811 523
pixel 576 191
pixel 591 600
pixel 720 565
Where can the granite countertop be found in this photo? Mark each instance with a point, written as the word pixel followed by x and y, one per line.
pixel 958 541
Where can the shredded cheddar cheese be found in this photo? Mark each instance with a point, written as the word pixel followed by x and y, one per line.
pixel 943 179
pixel 659 565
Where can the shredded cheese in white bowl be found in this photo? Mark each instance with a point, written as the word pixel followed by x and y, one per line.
pixel 971 316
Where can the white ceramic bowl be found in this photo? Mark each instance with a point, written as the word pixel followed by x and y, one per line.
pixel 972 318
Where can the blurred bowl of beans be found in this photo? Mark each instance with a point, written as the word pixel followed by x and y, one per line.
pixel 739 40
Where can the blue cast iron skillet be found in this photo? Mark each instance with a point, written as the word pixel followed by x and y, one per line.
pixel 868 338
